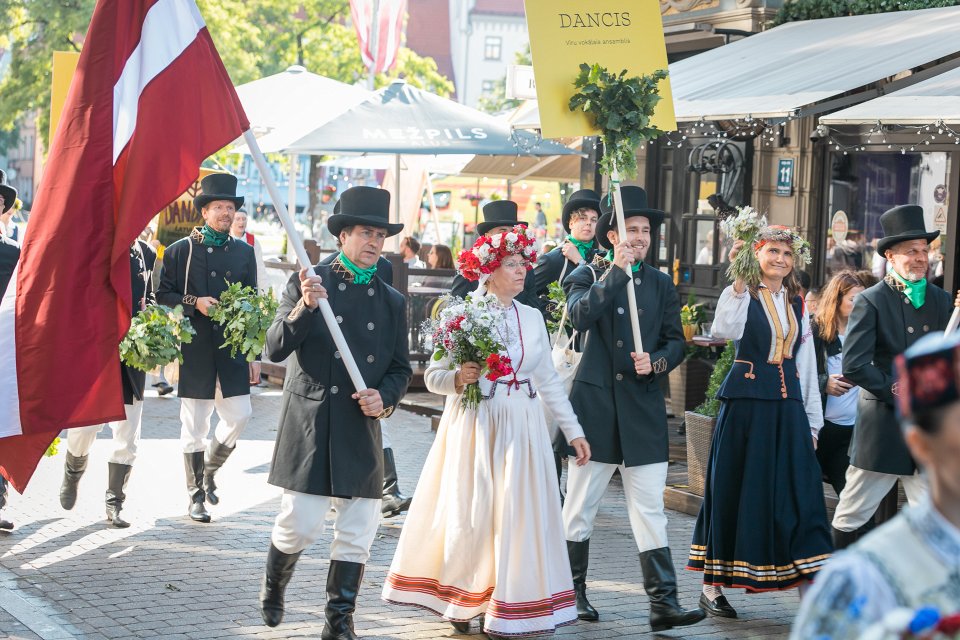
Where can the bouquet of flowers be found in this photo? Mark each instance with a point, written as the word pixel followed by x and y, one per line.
pixel 245 316
pixel 926 623
pixel 155 336
pixel 466 331
pixel 745 225
pixel 557 302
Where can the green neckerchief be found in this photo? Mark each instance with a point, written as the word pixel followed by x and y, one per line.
pixel 583 247
pixel 360 276
pixel 213 237
pixel 635 266
pixel 916 292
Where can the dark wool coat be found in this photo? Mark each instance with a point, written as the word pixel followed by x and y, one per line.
pixel 550 266
pixel 9 255
pixel 882 325
pixel 142 259
pixel 325 445
pixel 212 269
pixel 623 415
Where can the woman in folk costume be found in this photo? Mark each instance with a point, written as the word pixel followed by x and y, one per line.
pixel 763 523
pixel 484 536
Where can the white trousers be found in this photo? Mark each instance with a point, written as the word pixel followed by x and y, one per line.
pixel 302 519
pixel 385 433
pixel 126 436
pixel 195 415
pixel 643 487
pixel 865 490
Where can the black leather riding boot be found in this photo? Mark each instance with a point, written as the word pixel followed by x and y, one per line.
pixel 217 454
pixel 4 524
pixel 579 553
pixel 193 465
pixel 279 570
pixel 660 583
pixel 73 469
pixel 343 585
pixel 394 502
pixel 117 476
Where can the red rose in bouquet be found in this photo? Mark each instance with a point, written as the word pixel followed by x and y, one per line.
pixel 498 366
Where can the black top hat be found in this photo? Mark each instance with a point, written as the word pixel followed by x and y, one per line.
pixel 927 374
pixel 217 186
pixel 903 223
pixel 583 198
pixel 499 213
pixel 634 204
pixel 363 205
pixel 9 193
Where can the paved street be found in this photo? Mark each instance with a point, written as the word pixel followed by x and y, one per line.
pixel 66 575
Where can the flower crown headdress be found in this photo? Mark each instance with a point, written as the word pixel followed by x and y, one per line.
pixel 488 252
pixel 779 233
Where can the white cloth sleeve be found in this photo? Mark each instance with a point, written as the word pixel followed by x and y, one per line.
pixel 547 381
pixel 439 377
pixel 809 383
pixel 847 597
pixel 731 315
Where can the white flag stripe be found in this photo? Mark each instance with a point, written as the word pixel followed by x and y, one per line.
pixel 168 28
pixel 9 391
pixel 394 26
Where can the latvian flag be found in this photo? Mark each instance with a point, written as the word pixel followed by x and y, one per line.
pixel 379 25
pixel 149 102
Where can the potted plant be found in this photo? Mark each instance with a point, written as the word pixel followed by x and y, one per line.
pixel 701 421
pixel 327 194
pixel 474 198
pixel 688 381
pixel 691 315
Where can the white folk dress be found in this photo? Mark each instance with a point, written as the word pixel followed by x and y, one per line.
pixel 484 534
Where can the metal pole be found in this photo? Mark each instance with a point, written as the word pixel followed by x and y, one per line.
pixel 297 242
pixel 433 209
pixel 631 292
pixel 954 321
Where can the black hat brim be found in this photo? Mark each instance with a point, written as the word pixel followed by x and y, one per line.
pixel 9 196
pixel 338 222
pixel 203 200
pixel 885 243
pixel 655 216
pixel 483 227
pixel 573 205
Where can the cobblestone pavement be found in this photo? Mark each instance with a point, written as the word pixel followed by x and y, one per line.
pixel 66 575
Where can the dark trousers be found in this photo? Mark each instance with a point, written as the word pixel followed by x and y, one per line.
pixel 833 447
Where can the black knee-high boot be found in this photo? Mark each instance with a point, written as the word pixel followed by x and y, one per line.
pixel 579 553
pixel 217 454
pixel 193 465
pixel 660 583
pixel 277 575
pixel 117 476
pixel 343 586
pixel 394 502
pixel 73 470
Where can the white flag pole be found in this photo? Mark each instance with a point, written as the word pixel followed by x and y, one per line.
pixel 631 291
pixel 954 321
pixel 297 243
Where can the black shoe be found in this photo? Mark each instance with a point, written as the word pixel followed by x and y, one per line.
pixel 660 583
pixel 193 465
pixel 277 575
pixel 579 553
pixel 163 388
pixel 460 626
pixel 718 608
pixel 117 476
pixel 843 539
pixel 217 454
pixel 73 469
pixel 343 585
pixel 394 502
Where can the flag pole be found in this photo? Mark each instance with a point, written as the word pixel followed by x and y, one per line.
pixel 631 290
pixel 297 243
pixel 954 321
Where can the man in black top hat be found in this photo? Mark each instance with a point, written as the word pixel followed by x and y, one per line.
pixel 328 451
pixel 616 395
pixel 125 433
pixel 886 319
pixel 499 216
pixel 196 270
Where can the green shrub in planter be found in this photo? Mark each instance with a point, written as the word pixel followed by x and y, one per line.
pixel 711 406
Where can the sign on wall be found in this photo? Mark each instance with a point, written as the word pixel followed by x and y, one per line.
pixel 839 226
pixel 785 177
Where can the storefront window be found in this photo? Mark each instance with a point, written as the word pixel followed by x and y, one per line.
pixel 865 185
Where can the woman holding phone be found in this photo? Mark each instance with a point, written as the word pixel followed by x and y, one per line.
pixel 839 396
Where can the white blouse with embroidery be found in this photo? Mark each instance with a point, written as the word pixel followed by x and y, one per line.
pixel 731 318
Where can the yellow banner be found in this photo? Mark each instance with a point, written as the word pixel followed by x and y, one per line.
pixel 616 34
pixel 64 66
pixel 179 217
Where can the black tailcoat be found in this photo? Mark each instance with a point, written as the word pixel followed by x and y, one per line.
pixel 882 325
pixel 212 269
pixel 9 255
pixel 623 414
pixel 142 259
pixel 325 445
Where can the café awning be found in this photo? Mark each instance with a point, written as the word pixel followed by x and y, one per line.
pixel 927 102
pixel 804 68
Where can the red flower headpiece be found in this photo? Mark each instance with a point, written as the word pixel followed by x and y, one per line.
pixel 489 252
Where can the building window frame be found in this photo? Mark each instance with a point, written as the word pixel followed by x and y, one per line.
pixel 492 48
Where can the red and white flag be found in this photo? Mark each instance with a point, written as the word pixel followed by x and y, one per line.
pixel 379 54
pixel 149 102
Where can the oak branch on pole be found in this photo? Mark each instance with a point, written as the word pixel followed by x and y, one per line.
pixel 297 243
pixel 631 290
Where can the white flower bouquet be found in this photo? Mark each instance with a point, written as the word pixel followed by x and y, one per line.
pixel 745 225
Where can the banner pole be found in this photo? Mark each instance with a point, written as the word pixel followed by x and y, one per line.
pixel 631 290
pixel 954 321
pixel 297 243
